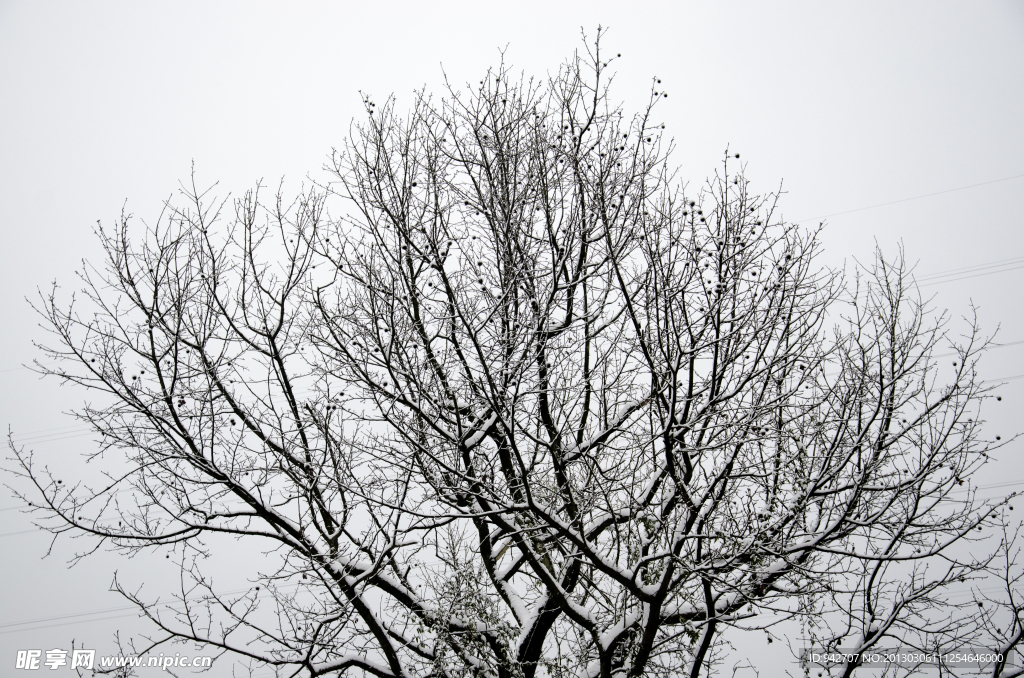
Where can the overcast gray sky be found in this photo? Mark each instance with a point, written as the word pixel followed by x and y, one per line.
pixel 105 105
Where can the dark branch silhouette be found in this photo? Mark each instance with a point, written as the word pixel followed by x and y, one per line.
pixel 523 405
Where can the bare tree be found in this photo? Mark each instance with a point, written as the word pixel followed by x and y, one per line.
pixel 525 406
pixel 1001 608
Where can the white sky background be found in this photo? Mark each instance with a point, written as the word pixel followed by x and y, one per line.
pixel 104 105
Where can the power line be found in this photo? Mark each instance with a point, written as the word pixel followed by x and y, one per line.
pixel 52 437
pixel 916 197
pixel 116 612
pixel 42 620
pixel 12 534
pixel 92 620
pixel 51 429
pixel 981 271
pixel 970 269
pixel 988 348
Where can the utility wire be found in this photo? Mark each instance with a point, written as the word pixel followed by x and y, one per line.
pixel 50 625
pixel 116 612
pixel 51 429
pixel 976 273
pixel 970 269
pixel 916 197
pixel 13 534
pixel 60 617
pixel 989 348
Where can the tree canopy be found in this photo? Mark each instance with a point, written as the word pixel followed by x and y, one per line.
pixel 505 397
